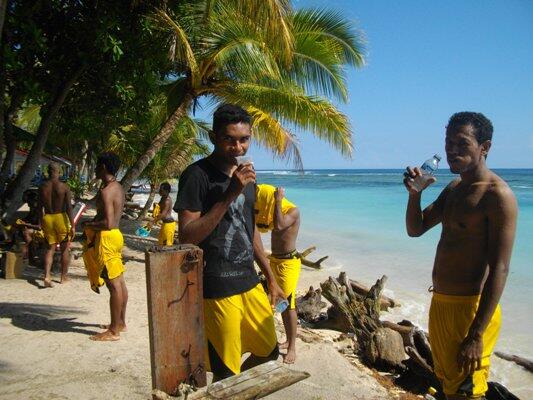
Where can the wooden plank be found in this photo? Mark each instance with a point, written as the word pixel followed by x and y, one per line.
pixel 175 315
pixel 254 383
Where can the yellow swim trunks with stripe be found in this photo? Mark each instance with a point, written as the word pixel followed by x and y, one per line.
pixel 450 318
pixel 287 272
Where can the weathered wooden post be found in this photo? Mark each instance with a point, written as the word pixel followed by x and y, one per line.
pixel 175 316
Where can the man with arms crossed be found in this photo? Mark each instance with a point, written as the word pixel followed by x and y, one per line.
pixel 57 221
pixel 273 212
pixel 104 258
pixel 215 205
pixel 478 214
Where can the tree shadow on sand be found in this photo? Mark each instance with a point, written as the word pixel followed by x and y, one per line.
pixel 44 317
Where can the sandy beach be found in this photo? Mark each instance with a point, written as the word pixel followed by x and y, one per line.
pixel 47 353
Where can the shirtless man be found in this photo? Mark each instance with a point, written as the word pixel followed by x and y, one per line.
pixel 57 221
pixel 478 214
pixel 166 234
pixel 29 225
pixel 277 214
pixel 107 245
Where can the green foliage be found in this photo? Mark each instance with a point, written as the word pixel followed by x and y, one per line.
pixel 77 186
pixel 184 144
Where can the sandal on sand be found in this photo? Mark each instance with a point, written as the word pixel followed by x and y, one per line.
pixel 106 336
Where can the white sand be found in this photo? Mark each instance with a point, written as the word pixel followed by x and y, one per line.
pixel 46 351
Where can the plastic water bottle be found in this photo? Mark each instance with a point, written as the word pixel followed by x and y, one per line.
pixel 282 305
pixel 430 395
pixel 428 169
pixel 143 231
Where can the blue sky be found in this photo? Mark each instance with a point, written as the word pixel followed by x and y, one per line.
pixel 425 61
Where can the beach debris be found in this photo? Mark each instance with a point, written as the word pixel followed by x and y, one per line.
pixel 254 383
pixel 311 264
pixel 380 346
pixel 385 302
pixel 523 362
pixel 310 305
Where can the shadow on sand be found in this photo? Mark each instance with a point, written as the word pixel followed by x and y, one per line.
pixel 43 317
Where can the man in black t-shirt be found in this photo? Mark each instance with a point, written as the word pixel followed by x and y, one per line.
pixel 215 205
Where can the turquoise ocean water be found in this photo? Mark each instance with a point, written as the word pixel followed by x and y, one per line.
pixel 357 217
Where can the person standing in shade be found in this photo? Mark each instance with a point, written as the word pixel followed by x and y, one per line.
pixel 478 214
pixel 56 220
pixel 103 249
pixel 215 206
pixel 273 212
pixel 164 214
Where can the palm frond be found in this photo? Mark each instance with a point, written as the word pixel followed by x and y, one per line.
pixel 269 133
pixel 180 50
pixel 237 48
pixel 322 24
pixel 318 68
pixel 289 105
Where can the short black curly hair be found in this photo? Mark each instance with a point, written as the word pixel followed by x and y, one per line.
pixel 481 124
pixel 165 186
pixel 228 114
pixel 110 161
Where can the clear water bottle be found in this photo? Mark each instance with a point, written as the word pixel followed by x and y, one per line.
pixel 282 306
pixel 428 169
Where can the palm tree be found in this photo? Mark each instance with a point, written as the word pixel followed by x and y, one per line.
pixel 276 63
pixel 182 146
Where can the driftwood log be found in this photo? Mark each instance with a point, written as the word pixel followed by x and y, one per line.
pixel 310 305
pixel 523 362
pixel 380 346
pixel 311 264
pixel 254 383
pixel 385 302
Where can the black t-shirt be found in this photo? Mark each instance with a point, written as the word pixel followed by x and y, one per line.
pixel 228 249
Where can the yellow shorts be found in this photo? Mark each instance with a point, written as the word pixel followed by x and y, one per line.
pixel 287 272
pixel 166 234
pixel 102 256
pixel 236 325
pixel 450 318
pixel 38 235
pixel 56 227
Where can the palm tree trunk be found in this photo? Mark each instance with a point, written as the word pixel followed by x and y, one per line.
pixel 10 141
pixel 13 195
pixel 3 6
pixel 159 141
pixel 149 202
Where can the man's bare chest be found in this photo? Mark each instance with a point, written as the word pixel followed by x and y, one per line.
pixel 465 210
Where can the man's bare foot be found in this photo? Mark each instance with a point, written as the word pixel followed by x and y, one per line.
pixel 48 283
pixel 64 279
pixel 283 346
pixel 290 357
pixel 121 328
pixel 106 336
